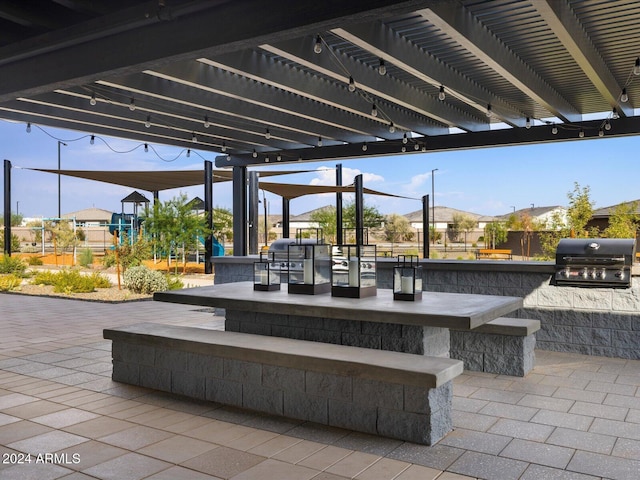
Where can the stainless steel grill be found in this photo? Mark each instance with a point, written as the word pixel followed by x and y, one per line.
pixel 594 262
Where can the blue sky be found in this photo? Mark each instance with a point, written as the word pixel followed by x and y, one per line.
pixel 488 181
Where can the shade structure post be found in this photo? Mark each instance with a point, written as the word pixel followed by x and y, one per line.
pixel 208 211
pixel 253 213
pixel 425 227
pixel 359 210
pixel 7 207
pixel 285 217
pixel 239 211
pixel 339 233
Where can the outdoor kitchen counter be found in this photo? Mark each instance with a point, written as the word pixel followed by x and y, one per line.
pixel 442 310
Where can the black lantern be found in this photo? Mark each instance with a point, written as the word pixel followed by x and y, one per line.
pixel 266 274
pixel 407 279
pixel 353 271
pixel 309 264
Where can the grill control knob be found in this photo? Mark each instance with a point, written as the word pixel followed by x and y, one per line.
pixel 566 272
pixel 620 274
pixel 592 274
pixel 602 274
pixel 585 273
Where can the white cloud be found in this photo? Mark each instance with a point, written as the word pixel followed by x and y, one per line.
pixel 327 176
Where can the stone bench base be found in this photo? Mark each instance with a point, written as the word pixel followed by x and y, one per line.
pixel 504 346
pixel 391 394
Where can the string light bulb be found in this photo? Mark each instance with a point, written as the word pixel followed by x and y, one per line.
pixel 93 139
pixel 624 97
pixel 527 123
pixel 224 147
pixel 404 149
pixel 374 110
pixel 254 154
pixel 416 147
pixel 489 111
pixel 636 67
pixel 392 127
pixel 194 138
pixel 29 127
pixel 146 147
pixel 132 104
pixel 188 152
pixel 614 113
pixel 364 147
pixel 607 125
pixel 93 100
pixel 279 157
pixel 147 123
pixel 441 94
pixel 554 130
pixel 206 123
pixel 601 132
pixel 405 139
pixel 581 134
pixel 382 68
pixel 267 134
pixel 319 141
pixel 317 48
pixel 352 84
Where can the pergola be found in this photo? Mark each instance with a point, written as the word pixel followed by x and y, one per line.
pixel 262 83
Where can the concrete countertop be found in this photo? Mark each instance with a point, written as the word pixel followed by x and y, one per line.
pixel 446 310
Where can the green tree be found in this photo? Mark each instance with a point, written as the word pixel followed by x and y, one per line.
pixel 462 223
pixel 580 211
pixel 326 220
pixel 172 225
pixel 495 233
pixel 16 220
pixel 222 224
pixel 624 221
pixel 397 229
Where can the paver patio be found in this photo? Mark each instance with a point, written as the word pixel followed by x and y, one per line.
pixel 574 417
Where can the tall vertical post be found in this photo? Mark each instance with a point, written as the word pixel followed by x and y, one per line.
pixel 253 213
pixel 239 211
pixel 156 196
pixel 425 226
pixel 339 234
pixel 285 217
pixel 359 210
pixel 208 212
pixel 433 202
pixel 7 207
pixel 59 192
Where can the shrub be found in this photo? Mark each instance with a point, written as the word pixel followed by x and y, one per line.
pixel 109 259
pixel 13 265
pixel 174 283
pixel 33 261
pixel 71 281
pixel 144 280
pixel 9 282
pixel 86 257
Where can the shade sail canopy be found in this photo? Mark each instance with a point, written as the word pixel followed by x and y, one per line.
pixel 290 191
pixel 155 181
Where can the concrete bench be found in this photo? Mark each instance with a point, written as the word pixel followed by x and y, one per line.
pixel 391 394
pixel 504 346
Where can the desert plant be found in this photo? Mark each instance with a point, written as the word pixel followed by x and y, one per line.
pixel 9 282
pixel 12 265
pixel 174 283
pixel 33 261
pixel 142 279
pixel 86 257
pixel 71 281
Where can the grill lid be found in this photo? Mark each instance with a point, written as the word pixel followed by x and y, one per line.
pixel 596 247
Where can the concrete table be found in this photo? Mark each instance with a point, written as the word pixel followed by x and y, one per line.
pixel 379 322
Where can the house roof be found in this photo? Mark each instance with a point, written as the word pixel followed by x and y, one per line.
pixel 444 214
pixel 533 212
pixel 306 216
pixel 90 214
pixel 605 212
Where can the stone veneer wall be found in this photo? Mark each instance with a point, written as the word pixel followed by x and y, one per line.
pixel 592 321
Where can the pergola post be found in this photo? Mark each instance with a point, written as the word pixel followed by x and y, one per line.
pixel 359 210
pixel 285 217
pixel 208 211
pixel 7 207
pixel 425 226
pixel 339 234
pixel 253 213
pixel 240 211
